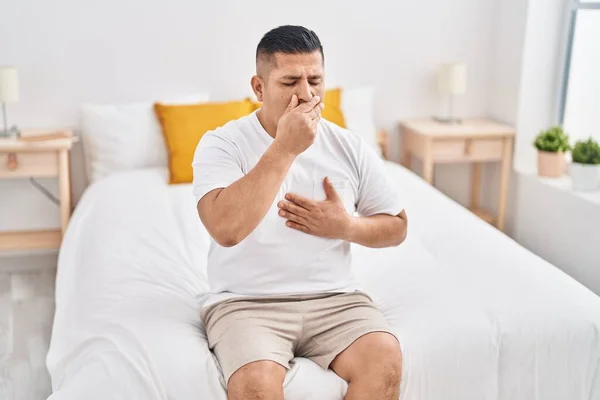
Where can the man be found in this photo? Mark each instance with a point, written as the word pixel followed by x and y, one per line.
pixel 277 191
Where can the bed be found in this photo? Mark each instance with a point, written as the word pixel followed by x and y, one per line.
pixel 478 316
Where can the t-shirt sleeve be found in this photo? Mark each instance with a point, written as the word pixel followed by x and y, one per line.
pixel 216 164
pixel 377 193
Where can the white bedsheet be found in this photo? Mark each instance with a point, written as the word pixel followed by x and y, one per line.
pixel 478 316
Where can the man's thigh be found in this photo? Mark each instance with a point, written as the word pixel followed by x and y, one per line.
pixel 240 332
pixel 333 324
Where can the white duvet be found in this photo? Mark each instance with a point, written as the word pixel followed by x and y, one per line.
pixel 478 316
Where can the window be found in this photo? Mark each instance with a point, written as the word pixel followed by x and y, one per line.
pixel 580 100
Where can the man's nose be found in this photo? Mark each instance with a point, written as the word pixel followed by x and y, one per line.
pixel 304 92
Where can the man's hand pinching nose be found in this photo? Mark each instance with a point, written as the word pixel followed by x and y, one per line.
pixel 327 218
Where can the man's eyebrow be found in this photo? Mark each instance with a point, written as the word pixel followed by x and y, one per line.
pixel 291 77
pixel 296 77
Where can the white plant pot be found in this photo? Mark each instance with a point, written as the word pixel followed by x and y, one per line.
pixel 585 176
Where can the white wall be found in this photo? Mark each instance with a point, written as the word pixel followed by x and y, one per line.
pixel 69 52
pixel 506 60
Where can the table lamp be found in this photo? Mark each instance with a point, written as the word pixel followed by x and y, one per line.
pixel 9 93
pixel 452 81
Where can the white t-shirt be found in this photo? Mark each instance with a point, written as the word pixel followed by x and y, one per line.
pixel 275 259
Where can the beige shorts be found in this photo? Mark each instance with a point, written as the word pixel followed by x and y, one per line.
pixel 318 327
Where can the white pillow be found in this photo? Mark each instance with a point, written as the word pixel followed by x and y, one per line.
pixel 358 106
pixel 120 137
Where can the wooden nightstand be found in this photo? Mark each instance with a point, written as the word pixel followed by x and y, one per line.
pixel 474 141
pixel 41 159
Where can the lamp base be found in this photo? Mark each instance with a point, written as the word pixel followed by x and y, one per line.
pixel 13 131
pixel 6 132
pixel 447 120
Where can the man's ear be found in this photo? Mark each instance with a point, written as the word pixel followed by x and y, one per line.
pixel 257 86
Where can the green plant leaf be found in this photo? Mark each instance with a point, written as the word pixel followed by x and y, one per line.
pixel 554 139
pixel 586 152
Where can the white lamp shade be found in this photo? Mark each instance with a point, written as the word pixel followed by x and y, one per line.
pixel 452 78
pixel 9 85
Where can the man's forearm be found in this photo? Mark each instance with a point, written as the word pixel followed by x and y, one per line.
pixel 378 230
pixel 238 209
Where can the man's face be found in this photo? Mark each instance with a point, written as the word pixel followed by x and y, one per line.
pixel 288 74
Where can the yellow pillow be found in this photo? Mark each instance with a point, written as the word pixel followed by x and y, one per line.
pixel 184 125
pixel 333 107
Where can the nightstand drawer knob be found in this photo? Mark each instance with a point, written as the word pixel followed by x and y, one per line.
pixel 11 161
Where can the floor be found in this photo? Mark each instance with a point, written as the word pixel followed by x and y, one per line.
pixel 26 314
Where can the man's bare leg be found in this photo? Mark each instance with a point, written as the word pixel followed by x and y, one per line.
pixel 372 366
pixel 259 380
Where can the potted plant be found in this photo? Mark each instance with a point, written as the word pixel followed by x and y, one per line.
pixel 552 145
pixel 585 169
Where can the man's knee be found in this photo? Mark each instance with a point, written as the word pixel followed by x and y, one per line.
pixel 257 379
pixel 391 371
pixel 383 361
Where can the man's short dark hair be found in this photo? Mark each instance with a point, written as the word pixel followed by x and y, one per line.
pixel 288 39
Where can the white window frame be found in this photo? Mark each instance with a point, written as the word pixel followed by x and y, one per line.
pixel 572 8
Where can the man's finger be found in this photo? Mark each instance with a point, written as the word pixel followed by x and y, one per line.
pixel 316 112
pixel 298 227
pixel 299 200
pixel 309 105
pixel 293 103
pixel 293 208
pixel 292 217
pixel 330 191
